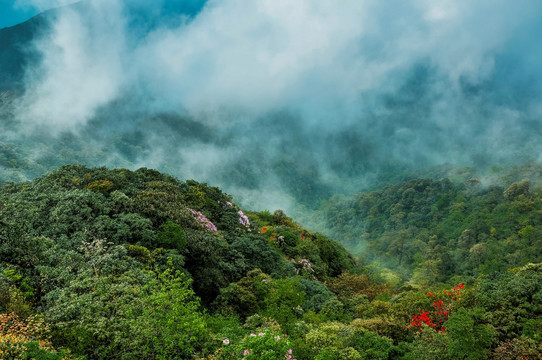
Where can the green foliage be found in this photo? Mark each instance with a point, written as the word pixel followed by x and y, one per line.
pixel 121 268
pixel 169 324
pixel 141 253
pixel 334 310
pixel 433 230
pixel 26 349
pixel 340 354
pixel 265 217
pixel 280 218
pixel 522 348
pixel 245 297
pixel 252 251
pixel 92 315
pixel 285 302
pixel 325 337
pixel 289 239
pixel 171 235
pixel 12 300
pixel 206 262
pixel 427 345
pixel 335 257
pixel 370 346
pixel 23 339
pixel 513 300
pixel 348 285
pixel 333 340
pixel 316 294
pixel 468 337
pixel 132 315
pixel 262 344
pixel 101 186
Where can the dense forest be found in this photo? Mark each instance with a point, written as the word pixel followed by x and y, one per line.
pixel 119 264
pixel 372 150
pixel 430 231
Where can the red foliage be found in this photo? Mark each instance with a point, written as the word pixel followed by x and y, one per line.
pixel 441 310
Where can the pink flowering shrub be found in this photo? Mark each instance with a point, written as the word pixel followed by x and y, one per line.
pixel 259 345
pixel 303 267
pixel 200 218
pixel 243 219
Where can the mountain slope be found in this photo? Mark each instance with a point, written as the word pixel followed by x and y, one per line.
pixel 103 264
pixel 434 230
pixel 17 51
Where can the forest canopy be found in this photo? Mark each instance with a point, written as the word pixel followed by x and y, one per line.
pixel 118 264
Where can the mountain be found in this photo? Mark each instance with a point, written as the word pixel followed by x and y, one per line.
pixel 406 136
pixel 17 53
pixel 225 93
pixel 430 231
pixel 407 133
pixel 123 231
pixel 99 264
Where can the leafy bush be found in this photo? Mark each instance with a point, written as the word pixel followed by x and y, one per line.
pixel 128 316
pixel 262 344
pixel 22 339
pixel 316 294
pixel 171 235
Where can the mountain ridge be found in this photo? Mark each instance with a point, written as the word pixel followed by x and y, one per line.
pixel 98 264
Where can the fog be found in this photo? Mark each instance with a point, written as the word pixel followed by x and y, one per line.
pixel 285 102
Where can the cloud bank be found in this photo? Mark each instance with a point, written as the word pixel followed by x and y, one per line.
pixel 337 92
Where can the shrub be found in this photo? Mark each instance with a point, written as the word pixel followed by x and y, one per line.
pixel 101 186
pixel 22 339
pixel 171 236
pixel 262 344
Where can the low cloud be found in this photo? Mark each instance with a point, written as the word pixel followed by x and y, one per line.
pixel 409 83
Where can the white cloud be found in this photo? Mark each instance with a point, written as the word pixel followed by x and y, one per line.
pixel 82 67
pixel 328 62
pixel 261 55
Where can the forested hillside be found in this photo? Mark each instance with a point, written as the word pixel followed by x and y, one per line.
pixel 429 231
pixel 119 264
pixel 373 150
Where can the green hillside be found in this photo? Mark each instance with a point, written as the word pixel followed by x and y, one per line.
pixel 430 231
pixel 119 264
pixel 368 180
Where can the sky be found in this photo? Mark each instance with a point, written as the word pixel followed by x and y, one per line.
pixel 10 14
pixel 334 93
pixel 13 12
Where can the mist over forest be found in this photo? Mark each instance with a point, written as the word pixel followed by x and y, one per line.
pixel 304 100
pixel 271 179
